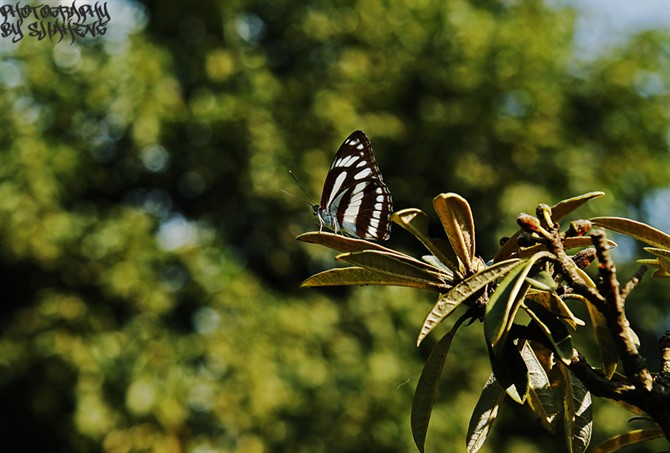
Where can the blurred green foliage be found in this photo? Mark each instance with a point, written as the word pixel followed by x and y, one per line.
pixel 146 250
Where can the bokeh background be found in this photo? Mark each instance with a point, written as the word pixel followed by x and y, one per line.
pixel 147 256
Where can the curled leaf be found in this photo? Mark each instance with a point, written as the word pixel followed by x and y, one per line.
pixel 456 217
pixel 416 222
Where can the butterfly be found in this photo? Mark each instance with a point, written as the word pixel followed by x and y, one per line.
pixel 355 201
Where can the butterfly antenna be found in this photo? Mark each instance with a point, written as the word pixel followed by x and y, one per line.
pixel 311 202
pixel 297 197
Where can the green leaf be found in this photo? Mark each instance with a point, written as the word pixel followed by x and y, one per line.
pixel 542 280
pixel 499 306
pixel 499 316
pixel 484 414
pixel 392 264
pixel 577 413
pixel 456 217
pixel 558 211
pixel 637 436
pixel 637 230
pixel 426 388
pixel 553 328
pixel 552 302
pixel 511 371
pixel 541 398
pixel 608 353
pixel 361 276
pixel 461 292
pixel 416 222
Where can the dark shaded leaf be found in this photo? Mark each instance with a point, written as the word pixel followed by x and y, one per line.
pixel 553 328
pixel 511 371
pixel 608 353
pixel 426 388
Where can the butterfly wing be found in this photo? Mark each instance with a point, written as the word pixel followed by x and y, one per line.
pixel 355 199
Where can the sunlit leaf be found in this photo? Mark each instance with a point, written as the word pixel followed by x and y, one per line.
pixel 484 414
pixel 395 265
pixel 456 217
pixel 416 222
pixel 636 230
pixel 552 302
pixel 342 243
pixel 662 260
pixel 426 388
pixel 461 292
pixel 637 436
pixel 662 253
pixel 362 276
pixel 541 398
pixel 558 211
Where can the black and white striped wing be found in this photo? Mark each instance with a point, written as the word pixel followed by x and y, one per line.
pixel 355 200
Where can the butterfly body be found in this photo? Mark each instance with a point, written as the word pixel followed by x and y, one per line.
pixel 355 201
